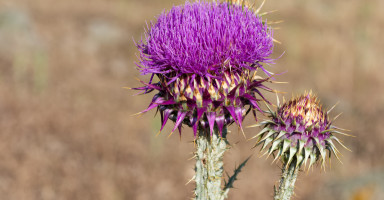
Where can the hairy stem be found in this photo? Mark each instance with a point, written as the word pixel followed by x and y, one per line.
pixel 287 182
pixel 209 164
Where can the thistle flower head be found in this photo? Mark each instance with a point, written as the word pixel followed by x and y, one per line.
pixel 206 39
pixel 205 56
pixel 300 130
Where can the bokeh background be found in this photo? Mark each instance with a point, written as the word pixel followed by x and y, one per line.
pixel 66 130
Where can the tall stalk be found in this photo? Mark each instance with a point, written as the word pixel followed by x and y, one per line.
pixel 287 182
pixel 210 149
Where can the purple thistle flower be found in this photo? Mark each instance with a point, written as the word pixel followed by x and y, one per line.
pixel 205 56
pixel 300 131
pixel 205 39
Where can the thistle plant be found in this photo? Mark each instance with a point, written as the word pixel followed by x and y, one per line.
pixel 204 59
pixel 299 134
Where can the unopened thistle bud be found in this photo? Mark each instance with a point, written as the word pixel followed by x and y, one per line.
pixel 300 131
pixel 205 56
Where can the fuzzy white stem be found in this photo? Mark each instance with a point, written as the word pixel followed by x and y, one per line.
pixel 287 182
pixel 209 164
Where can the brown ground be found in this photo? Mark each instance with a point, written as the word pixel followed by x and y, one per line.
pixel 66 130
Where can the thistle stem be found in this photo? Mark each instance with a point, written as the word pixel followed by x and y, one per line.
pixel 287 182
pixel 210 150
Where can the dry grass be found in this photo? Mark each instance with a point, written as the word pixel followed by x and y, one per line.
pixel 65 125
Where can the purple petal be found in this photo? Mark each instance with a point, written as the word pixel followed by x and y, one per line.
pixel 220 120
pixel 211 120
pixel 239 116
pixel 232 112
pixel 253 101
pixel 180 117
pixel 167 112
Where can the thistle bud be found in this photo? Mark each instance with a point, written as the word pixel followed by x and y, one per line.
pixel 205 56
pixel 300 131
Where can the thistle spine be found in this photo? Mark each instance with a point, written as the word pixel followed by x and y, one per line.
pixel 210 149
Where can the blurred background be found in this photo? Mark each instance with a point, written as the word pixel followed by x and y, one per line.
pixel 66 130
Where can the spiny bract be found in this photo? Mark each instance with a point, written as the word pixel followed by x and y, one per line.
pixel 205 56
pixel 299 131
